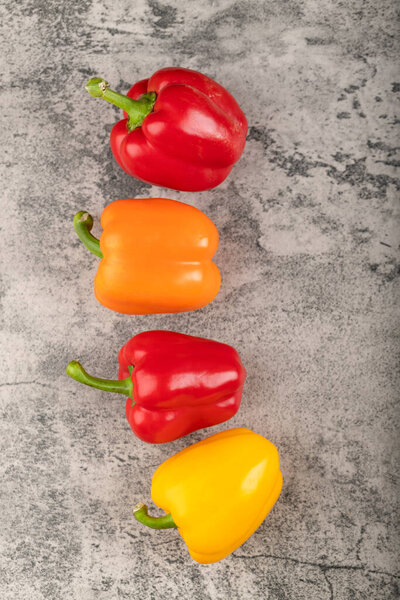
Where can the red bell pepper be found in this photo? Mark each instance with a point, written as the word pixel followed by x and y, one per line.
pixel 183 130
pixel 175 383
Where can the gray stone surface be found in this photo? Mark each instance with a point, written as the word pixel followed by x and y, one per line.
pixel 309 253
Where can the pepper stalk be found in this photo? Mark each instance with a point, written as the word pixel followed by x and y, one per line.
pixel 140 512
pixel 137 110
pixel 118 386
pixel 83 223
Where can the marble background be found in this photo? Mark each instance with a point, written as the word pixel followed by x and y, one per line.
pixel 309 252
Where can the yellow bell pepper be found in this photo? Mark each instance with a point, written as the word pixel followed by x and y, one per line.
pixel 216 492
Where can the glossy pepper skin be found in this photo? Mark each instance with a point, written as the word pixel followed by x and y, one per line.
pixel 183 130
pixel 175 383
pixel 216 492
pixel 156 256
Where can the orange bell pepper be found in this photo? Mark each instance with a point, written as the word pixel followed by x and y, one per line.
pixel 156 256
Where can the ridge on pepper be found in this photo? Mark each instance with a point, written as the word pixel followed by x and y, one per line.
pixel 175 383
pixel 182 130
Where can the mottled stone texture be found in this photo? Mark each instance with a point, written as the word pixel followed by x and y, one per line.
pixel 309 253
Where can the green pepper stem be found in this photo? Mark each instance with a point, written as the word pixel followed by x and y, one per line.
pixel 140 513
pixel 83 223
pixel 119 386
pixel 137 110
